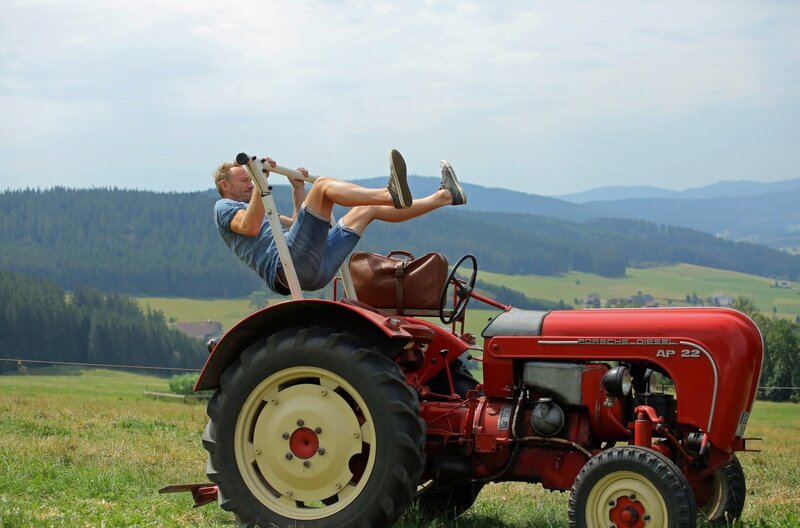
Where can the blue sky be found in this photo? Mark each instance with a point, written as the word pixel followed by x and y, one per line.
pixel 540 97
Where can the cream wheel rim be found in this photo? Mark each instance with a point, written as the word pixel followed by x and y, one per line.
pixel 625 499
pixel 714 502
pixel 304 443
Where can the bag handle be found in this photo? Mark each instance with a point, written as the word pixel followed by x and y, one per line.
pixel 399 273
pixel 401 252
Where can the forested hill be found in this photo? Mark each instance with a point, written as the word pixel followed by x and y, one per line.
pixel 148 243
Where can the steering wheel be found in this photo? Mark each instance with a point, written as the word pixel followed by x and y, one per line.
pixel 463 290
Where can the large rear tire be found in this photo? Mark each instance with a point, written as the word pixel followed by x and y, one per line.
pixel 727 494
pixel 631 486
pixel 313 428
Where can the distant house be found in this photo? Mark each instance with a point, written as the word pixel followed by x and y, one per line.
pixel 783 284
pixel 203 330
pixel 643 299
pixel 722 300
pixel 592 300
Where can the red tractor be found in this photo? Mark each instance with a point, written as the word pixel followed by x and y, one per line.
pixel 338 414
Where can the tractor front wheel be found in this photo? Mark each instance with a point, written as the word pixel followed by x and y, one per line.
pixel 631 487
pixel 314 428
pixel 727 490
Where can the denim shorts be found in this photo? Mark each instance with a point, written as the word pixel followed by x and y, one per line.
pixel 317 250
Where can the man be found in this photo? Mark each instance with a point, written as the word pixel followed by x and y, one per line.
pixel 317 250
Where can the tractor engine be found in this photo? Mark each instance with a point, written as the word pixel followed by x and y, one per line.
pixel 562 414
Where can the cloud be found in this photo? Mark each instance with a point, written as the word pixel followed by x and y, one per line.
pixel 331 81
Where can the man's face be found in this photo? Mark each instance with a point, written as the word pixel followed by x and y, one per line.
pixel 239 187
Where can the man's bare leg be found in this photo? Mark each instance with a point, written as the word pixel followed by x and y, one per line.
pixel 326 192
pixel 358 218
pixel 329 191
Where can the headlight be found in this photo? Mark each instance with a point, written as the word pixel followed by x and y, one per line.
pixel 617 382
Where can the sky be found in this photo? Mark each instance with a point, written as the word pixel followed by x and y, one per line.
pixel 546 97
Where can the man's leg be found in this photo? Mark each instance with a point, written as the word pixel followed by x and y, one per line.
pixel 358 218
pixel 450 193
pixel 326 192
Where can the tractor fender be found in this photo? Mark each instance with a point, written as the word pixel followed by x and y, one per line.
pixel 382 331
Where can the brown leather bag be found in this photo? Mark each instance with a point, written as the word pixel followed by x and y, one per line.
pixel 399 283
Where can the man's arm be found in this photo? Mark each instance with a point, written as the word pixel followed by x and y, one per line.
pixel 298 196
pixel 248 221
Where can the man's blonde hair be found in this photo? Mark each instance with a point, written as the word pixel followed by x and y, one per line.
pixel 223 173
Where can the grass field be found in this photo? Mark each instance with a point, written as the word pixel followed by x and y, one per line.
pixel 85 448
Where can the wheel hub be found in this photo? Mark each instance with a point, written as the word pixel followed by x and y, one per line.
pixel 304 443
pixel 627 513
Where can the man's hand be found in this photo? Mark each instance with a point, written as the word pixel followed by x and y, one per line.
pixel 271 163
pixel 299 184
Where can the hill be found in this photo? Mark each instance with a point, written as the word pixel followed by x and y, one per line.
pixel 721 189
pixel 165 244
pixel 772 218
pixel 492 199
pixel 764 213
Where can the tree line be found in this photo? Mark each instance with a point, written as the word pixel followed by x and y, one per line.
pixel 780 373
pixel 40 321
pixel 166 244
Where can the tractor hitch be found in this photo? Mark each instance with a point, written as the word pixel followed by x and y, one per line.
pixel 201 493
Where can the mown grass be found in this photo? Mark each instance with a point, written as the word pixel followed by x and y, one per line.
pixel 85 448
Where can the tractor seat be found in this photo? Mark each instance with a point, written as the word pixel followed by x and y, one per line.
pixel 516 322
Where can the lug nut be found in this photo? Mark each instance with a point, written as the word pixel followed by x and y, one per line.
pixel 274 401
pixel 324 392
pixel 285 436
pixel 318 430
pixel 632 496
pixel 355 435
pixel 321 451
pixel 646 517
pixel 288 493
pixel 258 451
pixel 300 423
pixel 306 463
pixel 289 456
pixel 612 502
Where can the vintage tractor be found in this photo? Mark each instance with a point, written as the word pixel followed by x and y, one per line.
pixel 340 414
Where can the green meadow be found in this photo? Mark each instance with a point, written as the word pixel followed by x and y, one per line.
pixel 85 448
pixel 669 285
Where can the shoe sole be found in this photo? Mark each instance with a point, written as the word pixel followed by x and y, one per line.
pixel 397 166
pixel 461 194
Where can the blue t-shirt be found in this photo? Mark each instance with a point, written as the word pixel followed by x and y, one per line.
pixel 259 252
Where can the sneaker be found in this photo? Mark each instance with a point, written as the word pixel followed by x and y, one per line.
pixel 450 182
pixel 398 185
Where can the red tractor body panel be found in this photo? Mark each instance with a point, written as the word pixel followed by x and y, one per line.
pixel 713 355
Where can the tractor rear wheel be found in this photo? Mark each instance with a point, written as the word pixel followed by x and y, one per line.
pixel 631 486
pixel 314 428
pixel 727 493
